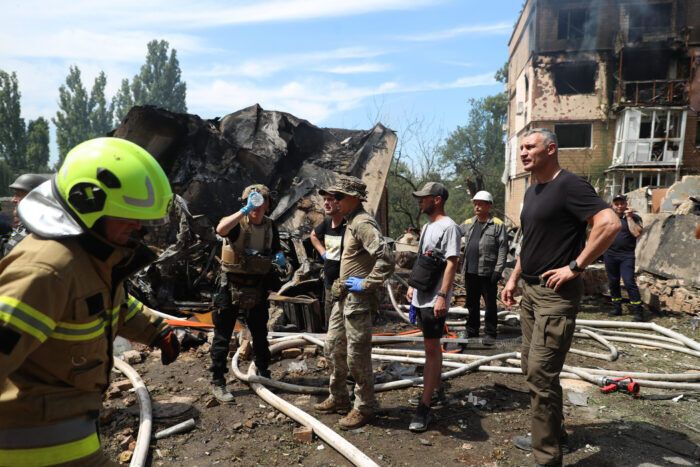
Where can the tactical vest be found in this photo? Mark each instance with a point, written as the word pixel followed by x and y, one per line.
pixel 237 258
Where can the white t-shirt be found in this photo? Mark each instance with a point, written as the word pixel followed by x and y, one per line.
pixel 450 244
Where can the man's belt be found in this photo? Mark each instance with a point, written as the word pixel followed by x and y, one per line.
pixel 531 279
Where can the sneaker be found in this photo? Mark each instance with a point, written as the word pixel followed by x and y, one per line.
pixel 331 405
pixel 488 341
pixel 265 373
pixel 525 443
pixel 222 394
pixel 421 419
pixel 355 419
pixel 438 398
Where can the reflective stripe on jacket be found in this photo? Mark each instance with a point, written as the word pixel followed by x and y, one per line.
pixel 62 302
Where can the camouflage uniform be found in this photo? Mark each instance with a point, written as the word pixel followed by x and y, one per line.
pixel 349 340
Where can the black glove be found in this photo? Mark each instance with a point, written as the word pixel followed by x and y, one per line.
pixel 495 277
pixel 169 347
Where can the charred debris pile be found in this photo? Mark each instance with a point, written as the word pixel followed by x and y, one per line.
pixel 210 162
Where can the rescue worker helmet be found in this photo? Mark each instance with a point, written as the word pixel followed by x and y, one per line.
pixel 483 195
pixel 260 188
pixel 113 177
pixel 27 182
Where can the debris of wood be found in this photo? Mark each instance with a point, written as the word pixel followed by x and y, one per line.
pixel 122 384
pixel 212 402
pixel 310 351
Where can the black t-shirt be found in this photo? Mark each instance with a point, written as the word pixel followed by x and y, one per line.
pixel 624 243
pixel 332 239
pixel 472 255
pixel 554 219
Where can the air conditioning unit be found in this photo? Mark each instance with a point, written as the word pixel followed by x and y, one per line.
pixel 520 108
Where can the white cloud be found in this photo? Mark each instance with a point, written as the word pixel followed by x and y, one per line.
pixel 359 68
pixel 262 67
pixel 502 28
pixel 314 99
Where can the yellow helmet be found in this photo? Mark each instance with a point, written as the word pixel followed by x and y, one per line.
pixel 113 177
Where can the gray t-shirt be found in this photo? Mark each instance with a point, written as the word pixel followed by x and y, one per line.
pixel 450 244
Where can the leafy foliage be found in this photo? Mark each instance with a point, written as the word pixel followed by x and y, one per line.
pixel 73 117
pixel 100 112
pixel 38 145
pixel 12 128
pixel 158 83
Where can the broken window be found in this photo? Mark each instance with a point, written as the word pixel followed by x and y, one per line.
pixel 573 135
pixel 648 136
pixel 574 24
pixel 645 18
pixel 574 78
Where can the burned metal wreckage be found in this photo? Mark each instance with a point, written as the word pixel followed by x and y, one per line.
pixel 210 162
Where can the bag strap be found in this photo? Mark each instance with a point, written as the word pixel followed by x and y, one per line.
pixel 422 237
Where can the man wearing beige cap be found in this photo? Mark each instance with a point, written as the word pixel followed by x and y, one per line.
pixel 366 262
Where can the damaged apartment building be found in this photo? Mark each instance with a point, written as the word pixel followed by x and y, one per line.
pixel 617 81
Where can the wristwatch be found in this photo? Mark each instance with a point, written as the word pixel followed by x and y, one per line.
pixel 574 267
pixel 441 294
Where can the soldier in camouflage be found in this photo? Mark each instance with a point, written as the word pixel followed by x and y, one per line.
pixel 366 262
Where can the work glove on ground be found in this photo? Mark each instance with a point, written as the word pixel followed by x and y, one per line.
pixel 169 347
pixel 495 277
pixel 250 206
pixel 354 284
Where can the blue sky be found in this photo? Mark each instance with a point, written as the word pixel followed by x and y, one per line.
pixel 337 63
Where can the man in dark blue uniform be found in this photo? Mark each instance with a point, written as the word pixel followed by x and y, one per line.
pixel 619 259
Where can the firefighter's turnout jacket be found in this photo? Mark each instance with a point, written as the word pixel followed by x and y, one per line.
pixel 62 302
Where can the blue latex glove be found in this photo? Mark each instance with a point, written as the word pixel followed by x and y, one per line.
pixel 249 207
pixel 412 314
pixel 323 256
pixel 354 284
pixel 280 260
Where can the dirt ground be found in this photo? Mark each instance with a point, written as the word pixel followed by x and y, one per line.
pixel 610 430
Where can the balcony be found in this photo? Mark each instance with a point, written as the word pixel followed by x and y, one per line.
pixel 653 92
pixel 649 137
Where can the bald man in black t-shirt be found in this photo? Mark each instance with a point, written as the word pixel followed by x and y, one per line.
pixel 556 211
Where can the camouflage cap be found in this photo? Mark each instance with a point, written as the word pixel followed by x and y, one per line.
pixel 260 188
pixel 347 185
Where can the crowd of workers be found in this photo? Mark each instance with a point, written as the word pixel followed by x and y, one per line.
pixel 63 297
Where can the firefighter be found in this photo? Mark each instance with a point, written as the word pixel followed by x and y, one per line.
pixel 20 188
pixel 63 300
pixel 251 255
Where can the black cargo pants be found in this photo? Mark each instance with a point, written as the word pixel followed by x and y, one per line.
pixel 227 307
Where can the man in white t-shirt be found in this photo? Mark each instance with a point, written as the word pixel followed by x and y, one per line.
pixel 440 235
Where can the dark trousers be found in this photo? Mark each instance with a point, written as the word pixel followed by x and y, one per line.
pixel 477 287
pixel 622 266
pixel 224 319
pixel 547 320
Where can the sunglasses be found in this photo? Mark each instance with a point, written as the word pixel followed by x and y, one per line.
pixel 338 196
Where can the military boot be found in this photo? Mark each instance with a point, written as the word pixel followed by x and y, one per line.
pixel 617 307
pixel 355 419
pixel 221 393
pixel 331 405
pixel 638 311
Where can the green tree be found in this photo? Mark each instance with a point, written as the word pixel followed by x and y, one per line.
pixel 158 83
pixel 73 117
pixel 100 112
pixel 38 145
pixel 12 127
pixel 475 151
pixel 122 102
pixel 7 176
